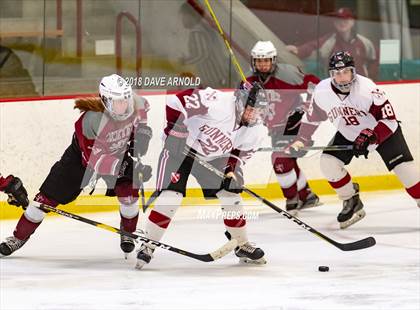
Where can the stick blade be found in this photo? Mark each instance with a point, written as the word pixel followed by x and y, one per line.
pixel 224 250
pixel 358 245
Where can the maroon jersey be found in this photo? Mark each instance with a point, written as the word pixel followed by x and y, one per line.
pixel 285 97
pixel 103 140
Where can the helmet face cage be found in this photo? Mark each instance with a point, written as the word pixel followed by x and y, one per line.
pixel 264 50
pixel 114 91
pixel 338 62
pixel 250 112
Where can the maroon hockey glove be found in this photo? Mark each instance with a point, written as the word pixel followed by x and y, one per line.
pixel 18 196
pixel 366 137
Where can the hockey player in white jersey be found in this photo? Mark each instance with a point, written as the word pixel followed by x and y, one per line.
pixel 223 130
pixel 364 118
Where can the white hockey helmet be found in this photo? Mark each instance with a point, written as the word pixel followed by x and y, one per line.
pixel 264 50
pixel 117 97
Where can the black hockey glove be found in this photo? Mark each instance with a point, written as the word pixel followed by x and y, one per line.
pixel 176 140
pixel 18 196
pixel 233 181
pixel 140 143
pixel 256 92
pixel 293 122
pixel 145 171
pixel 131 169
pixel 366 137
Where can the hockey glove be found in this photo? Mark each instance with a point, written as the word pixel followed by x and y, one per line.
pixel 366 137
pixel 293 122
pixel 140 143
pixel 130 169
pixel 18 196
pixel 295 149
pixel 145 171
pixel 233 182
pixel 176 140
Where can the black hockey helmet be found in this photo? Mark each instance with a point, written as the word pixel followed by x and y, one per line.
pixel 251 104
pixel 338 62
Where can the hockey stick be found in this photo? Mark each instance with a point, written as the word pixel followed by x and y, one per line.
pixel 142 192
pixel 352 246
pixel 151 199
pixel 310 148
pixel 235 61
pixel 209 257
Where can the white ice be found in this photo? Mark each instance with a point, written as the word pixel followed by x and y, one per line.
pixel 71 265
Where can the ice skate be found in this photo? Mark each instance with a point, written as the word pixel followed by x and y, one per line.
pixel 250 254
pixel 11 245
pixel 127 245
pixel 312 200
pixel 352 210
pixel 247 253
pixel 144 255
pixel 292 205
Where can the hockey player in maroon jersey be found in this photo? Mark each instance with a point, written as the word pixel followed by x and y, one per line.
pixel 16 192
pixel 283 122
pixel 222 129
pixel 364 118
pixel 111 128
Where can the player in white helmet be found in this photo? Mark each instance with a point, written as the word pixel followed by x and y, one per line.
pixel 117 97
pixel 364 118
pixel 110 132
pixel 283 121
pixel 264 58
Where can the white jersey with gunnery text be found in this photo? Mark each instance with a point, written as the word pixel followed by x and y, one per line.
pixel 210 118
pixel 363 107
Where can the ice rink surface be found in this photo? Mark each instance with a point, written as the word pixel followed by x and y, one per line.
pixel 71 265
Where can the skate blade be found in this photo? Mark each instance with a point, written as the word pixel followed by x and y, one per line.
pixel 246 260
pixel 293 212
pixel 355 218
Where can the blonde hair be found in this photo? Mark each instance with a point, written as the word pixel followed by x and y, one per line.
pixel 89 104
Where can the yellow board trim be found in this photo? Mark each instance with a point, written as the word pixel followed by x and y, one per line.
pixel 100 203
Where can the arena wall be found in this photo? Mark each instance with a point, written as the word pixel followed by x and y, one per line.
pixel 35 133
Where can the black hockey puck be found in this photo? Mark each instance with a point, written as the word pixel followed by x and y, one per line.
pixel 323 268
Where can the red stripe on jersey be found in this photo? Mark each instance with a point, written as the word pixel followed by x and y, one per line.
pixel 315 113
pixel 172 117
pixel 341 183
pixel 240 222
pixel 159 219
pixel 84 143
pixel 414 191
pixel 382 132
pixel 383 111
